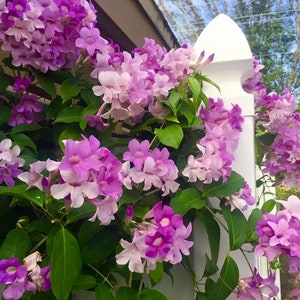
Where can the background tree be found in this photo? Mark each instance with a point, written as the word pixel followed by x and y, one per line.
pixel 272 28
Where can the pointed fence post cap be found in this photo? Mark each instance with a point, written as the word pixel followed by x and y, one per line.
pixel 223 37
pixel 232 63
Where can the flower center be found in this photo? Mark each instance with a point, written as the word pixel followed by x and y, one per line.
pixel 75 159
pixel 165 222
pixel 19 7
pixel 158 241
pixel 11 270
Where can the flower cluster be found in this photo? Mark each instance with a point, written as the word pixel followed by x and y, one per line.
pixel 10 162
pixel 153 169
pixel 256 287
pixel 26 277
pixel 277 115
pixel 160 237
pixel 222 129
pixel 132 84
pixel 279 234
pixel 47 34
pixel 85 172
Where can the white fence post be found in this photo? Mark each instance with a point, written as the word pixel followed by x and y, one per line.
pixel 232 65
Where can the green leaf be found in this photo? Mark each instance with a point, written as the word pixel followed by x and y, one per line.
pixel 33 195
pixel 150 294
pixel 69 115
pixel 171 135
pixel 65 264
pixel 252 222
pixel 186 200
pixel 84 282
pixel 195 87
pixel 227 281
pixel 16 244
pixel 173 101
pixel 189 112
pixel 69 89
pixel 157 274
pixel 130 196
pixel 127 293
pixel 89 97
pixel 87 230
pixel 206 79
pixel 268 206
pixel 23 140
pixel 83 212
pixel 103 292
pixel 5 81
pixel 24 127
pixel 210 267
pixel 46 83
pixel 213 232
pixel 100 246
pixel 51 239
pixel 224 189
pixel 201 296
pixel 4 114
pixel 237 226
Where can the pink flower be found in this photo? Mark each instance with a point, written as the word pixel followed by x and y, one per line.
pixel 79 158
pixel 105 210
pixel 77 190
pixel 180 245
pixel 137 153
pixel 133 253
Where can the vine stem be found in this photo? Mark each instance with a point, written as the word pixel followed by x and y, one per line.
pixel 130 279
pixel 42 241
pixel 141 286
pixel 252 271
pixel 104 278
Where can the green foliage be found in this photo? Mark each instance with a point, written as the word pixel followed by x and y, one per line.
pixel 171 135
pixel 237 227
pixel 66 263
pixel 16 244
pixel 227 281
pixel 186 200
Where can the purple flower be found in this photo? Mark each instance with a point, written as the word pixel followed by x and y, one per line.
pixel 158 244
pixel 27 111
pixel 45 274
pixel 137 153
pixel 16 290
pixel 257 287
pixel 90 40
pixel 11 270
pixel 18 7
pixel 21 84
pixel 79 159
pixel 8 173
pixel 129 213
pixel 165 218
pixel 180 245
